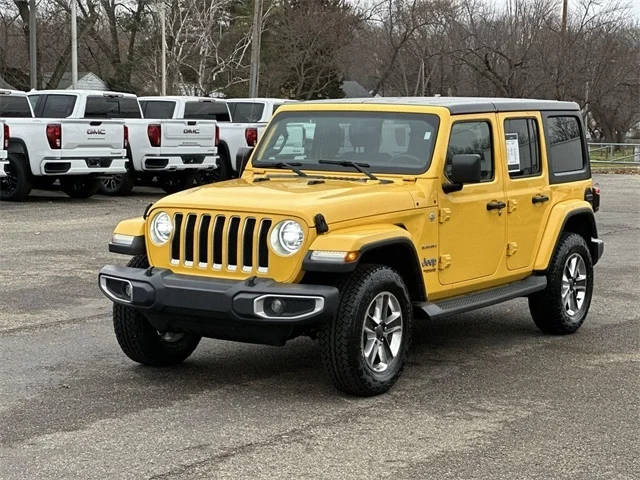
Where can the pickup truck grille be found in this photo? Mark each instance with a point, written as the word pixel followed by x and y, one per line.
pixel 221 242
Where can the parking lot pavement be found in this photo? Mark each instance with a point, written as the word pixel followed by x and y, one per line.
pixel 484 396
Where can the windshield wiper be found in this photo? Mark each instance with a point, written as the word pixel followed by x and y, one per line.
pixel 359 166
pixel 290 166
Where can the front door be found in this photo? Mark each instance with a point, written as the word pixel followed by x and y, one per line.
pixel 472 228
pixel 528 191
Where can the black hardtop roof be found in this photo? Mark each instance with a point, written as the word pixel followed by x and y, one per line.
pixel 461 105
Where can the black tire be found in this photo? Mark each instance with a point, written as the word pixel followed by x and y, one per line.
pixel 341 340
pixel 221 173
pixel 551 311
pixel 141 342
pixel 79 187
pixel 118 184
pixel 17 185
pixel 178 181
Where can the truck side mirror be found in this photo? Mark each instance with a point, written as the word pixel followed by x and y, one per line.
pixel 465 168
pixel 242 158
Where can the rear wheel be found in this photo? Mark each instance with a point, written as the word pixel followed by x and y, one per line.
pixel 176 182
pixel 79 187
pixel 563 306
pixel 18 182
pixel 141 342
pixel 365 346
pixel 118 184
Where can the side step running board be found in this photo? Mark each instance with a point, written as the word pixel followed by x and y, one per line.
pixel 472 301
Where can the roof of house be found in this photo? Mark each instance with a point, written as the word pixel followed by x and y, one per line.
pixel 5 85
pixel 353 89
pixel 460 105
pixel 85 79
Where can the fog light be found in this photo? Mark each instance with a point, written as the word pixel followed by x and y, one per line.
pixel 276 306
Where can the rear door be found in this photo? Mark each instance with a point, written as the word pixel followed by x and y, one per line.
pixel 527 185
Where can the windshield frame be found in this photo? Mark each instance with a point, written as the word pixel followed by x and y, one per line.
pixel 429 117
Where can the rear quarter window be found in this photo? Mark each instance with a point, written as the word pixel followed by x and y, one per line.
pixel 14 107
pixel 246 112
pixel 57 106
pixel 566 147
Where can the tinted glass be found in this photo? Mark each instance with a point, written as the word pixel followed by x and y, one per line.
pixel 14 107
pixel 388 142
pixel 58 106
pixel 565 142
pixel 207 111
pixel 524 159
pixel 246 112
pixel 157 109
pixel 472 138
pixel 35 101
pixel 111 107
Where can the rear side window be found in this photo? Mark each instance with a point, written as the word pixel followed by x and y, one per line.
pixel 566 153
pixel 157 109
pixel 14 107
pixel 207 111
pixel 523 147
pixel 57 106
pixel 111 107
pixel 35 101
pixel 472 138
pixel 246 112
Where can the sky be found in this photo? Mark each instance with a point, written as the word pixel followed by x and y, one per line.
pixel 634 4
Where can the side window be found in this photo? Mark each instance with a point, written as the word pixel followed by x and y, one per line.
pixel 565 144
pixel 523 147
pixel 472 138
pixel 36 102
pixel 58 106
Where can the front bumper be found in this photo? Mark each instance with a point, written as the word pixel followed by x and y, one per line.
pixel 219 308
pixel 84 166
pixel 179 162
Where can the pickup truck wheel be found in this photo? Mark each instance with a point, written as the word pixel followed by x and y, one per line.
pixel 17 184
pixel 144 344
pixel 562 307
pixel 118 184
pixel 80 187
pixel 222 172
pixel 365 346
pixel 177 182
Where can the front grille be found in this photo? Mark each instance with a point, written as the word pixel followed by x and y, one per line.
pixel 218 242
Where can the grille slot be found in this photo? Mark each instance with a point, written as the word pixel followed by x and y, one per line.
pixel 247 244
pixel 188 240
pixel 203 241
pixel 175 241
pixel 233 243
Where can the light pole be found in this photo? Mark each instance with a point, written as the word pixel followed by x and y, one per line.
pixel 74 45
pixel 163 61
pixel 33 45
pixel 255 48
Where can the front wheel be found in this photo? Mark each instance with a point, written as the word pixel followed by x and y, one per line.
pixel 562 307
pixel 365 346
pixel 79 187
pixel 141 342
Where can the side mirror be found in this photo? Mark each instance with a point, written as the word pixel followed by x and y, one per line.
pixel 242 158
pixel 465 168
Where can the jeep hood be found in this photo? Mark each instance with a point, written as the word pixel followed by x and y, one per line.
pixel 337 200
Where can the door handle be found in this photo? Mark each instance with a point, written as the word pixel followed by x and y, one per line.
pixel 496 205
pixel 539 199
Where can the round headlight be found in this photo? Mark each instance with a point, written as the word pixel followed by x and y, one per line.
pixel 287 237
pixel 161 228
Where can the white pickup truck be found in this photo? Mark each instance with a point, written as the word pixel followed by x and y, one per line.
pixel 235 131
pixel 172 153
pixel 78 153
pixel 4 145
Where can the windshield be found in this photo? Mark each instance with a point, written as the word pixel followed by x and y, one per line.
pixel 14 106
pixel 388 142
pixel 246 112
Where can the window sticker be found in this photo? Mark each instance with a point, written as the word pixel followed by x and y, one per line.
pixel 513 152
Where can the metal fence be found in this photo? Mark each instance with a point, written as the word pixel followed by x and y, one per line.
pixel 615 154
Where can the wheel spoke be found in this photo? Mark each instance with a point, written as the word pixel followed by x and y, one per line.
pixel 371 342
pixel 387 350
pixel 382 354
pixel 371 357
pixel 393 318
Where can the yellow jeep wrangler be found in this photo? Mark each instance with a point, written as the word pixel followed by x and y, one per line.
pixel 351 218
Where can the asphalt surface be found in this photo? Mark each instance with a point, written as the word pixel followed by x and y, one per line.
pixel 484 395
